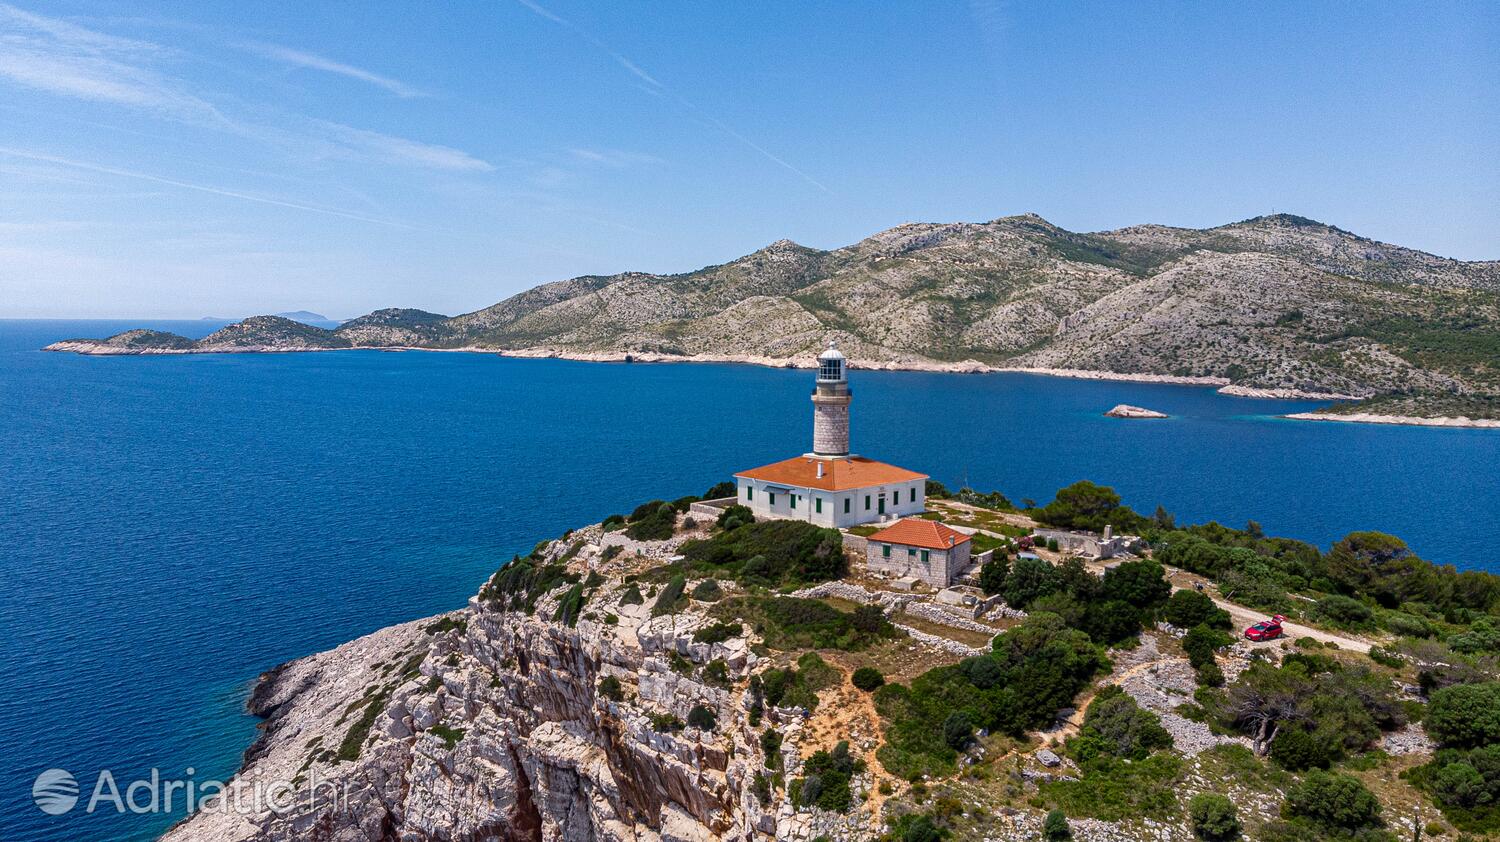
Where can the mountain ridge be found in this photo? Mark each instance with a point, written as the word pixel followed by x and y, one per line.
pixel 1278 302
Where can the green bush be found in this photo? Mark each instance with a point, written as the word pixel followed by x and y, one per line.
pixel 816 673
pixel 1214 817
pixel 1111 789
pixel 701 717
pixel 734 517
pixel 718 632
pixel 519 584
pixel 665 723
pixel 1332 802
pixel 708 590
pixel 1141 582
pixel 1029 579
pixel 958 730
pixel 1084 505
pixel 1298 750
pixel 652 524
pixel 1114 724
pixel 1055 827
pixel 789 623
pixel 770 746
pixel 716 673
pixel 1345 613
pixel 1186 609
pixel 868 679
pixel 1201 642
pixel 632 595
pixel 670 598
pixel 992 574
pixel 1465 715
pixel 792 552
pixel 832 770
pixel 609 688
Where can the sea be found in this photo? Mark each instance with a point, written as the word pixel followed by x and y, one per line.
pixel 171 526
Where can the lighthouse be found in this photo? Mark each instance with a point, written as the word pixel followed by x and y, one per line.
pixel 830 486
pixel 831 397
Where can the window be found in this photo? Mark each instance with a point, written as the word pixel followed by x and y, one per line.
pixel 885 550
pixel 924 556
pixel 914 495
pixel 911 552
pixel 771 495
pixel 867 502
pixel 818 505
pixel 846 505
pixel 794 501
pixel 749 492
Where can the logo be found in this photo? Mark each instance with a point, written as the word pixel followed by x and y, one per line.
pixel 55 791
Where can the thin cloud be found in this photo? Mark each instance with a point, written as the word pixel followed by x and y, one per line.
pixel 400 150
pixel 656 87
pixel 312 61
pixel 58 57
pixel 613 157
pixel 188 185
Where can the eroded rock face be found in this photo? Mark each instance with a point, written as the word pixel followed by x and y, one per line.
pixel 488 723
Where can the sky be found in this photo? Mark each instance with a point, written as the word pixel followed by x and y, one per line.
pixel 227 159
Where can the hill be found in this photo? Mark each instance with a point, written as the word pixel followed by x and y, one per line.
pixel 1272 303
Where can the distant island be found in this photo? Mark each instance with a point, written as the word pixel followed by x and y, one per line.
pixel 1275 306
pixel 1125 410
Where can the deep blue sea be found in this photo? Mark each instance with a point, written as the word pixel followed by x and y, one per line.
pixel 172 526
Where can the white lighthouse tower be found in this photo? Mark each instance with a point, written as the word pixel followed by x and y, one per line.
pixel 831 397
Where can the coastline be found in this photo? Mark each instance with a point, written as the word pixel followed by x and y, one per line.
pixel 1221 384
pixel 1402 420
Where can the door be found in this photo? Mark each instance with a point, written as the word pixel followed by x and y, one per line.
pixel 882 504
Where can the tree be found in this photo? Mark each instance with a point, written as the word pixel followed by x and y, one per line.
pixel 958 730
pixel 1334 802
pixel 868 679
pixel 708 590
pixel 1141 583
pixel 720 490
pixel 869 619
pixel 1028 579
pixel 922 829
pixel 1112 621
pixel 1055 827
pixel 1298 750
pixel 609 688
pixel 1084 505
pixel 936 490
pixel 1378 565
pixel 735 517
pixel 671 594
pixel 1465 715
pixel 1163 519
pixel 1214 817
pixel 1263 700
pixel 1185 609
pixel 992 574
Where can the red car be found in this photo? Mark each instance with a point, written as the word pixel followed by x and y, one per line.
pixel 1265 630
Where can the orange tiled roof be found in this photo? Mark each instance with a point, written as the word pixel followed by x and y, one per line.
pixel 838 474
pixel 915 532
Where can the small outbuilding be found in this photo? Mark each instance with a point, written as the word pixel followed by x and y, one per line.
pixel 933 552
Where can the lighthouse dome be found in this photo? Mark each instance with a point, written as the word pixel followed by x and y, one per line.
pixel 833 352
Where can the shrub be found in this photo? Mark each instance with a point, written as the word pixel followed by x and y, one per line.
pixel 734 517
pixel 793 552
pixel 1141 583
pixel 992 574
pixel 770 746
pixel 609 688
pixel 1345 612
pixel 1333 802
pixel 815 672
pixel 1186 609
pixel 716 672
pixel 958 730
pixel 708 590
pixel 718 632
pixel 653 524
pixel 1297 749
pixel 1215 818
pixel 917 828
pixel 1084 505
pixel 832 770
pixel 632 595
pixel 1114 724
pixel 1055 827
pixel 868 679
pixel 667 602
pixel 665 723
pixel 1201 642
pixel 570 606
pixel 1465 715
pixel 793 623
pixel 701 717
pixel 1028 580
pixel 936 490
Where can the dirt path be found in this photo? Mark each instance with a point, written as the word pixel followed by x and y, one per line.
pixel 845 710
pixel 1244 618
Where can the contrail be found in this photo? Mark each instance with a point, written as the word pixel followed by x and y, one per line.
pixel 658 87
pixel 202 188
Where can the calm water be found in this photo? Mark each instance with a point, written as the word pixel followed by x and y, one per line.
pixel 171 526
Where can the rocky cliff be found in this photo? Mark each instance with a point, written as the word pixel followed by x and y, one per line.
pixel 490 723
pixel 1278 302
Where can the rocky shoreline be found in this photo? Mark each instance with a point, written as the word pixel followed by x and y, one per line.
pixel 1402 420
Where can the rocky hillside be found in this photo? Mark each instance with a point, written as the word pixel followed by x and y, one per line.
pixel 1277 302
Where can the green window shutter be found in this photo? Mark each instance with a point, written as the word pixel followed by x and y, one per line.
pixel 772 497
pixel 885 550
pixel 924 556
pixel 749 493
pixel 914 495
pixel 846 505
pixel 794 501
pixel 910 551
pixel 867 502
pixel 818 504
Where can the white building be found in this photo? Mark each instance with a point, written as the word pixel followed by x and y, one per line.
pixel 829 486
pixel 923 549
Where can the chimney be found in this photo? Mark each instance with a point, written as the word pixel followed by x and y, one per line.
pixel 1109 531
pixel 820 469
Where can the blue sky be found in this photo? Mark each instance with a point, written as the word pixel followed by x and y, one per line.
pixel 225 159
